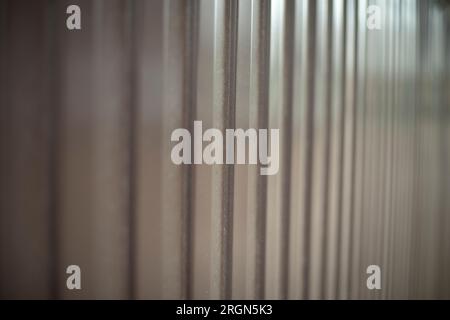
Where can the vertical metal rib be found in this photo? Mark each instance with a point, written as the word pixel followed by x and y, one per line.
pixel 320 160
pixel 336 111
pixel 352 150
pixel 298 184
pixel 445 291
pixel 130 57
pixel 357 271
pixel 349 148
pixel 241 172
pixel 389 21
pixel 280 117
pixel 174 200
pixel 4 134
pixel 257 185
pixel 340 160
pixel 225 33
pixel 286 138
pixel 328 150
pixel 416 156
pixel 203 182
pixel 53 56
pixel 148 147
pixel 394 154
pixel 190 96
pixel 309 150
pixel 179 107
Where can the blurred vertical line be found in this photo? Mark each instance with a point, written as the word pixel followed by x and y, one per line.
pixel 444 248
pixel 286 137
pixel 411 110
pixel 446 116
pixel 241 172
pixel 409 83
pixel 273 238
pixel 396 187
pixel 5 116
pixel 411 118
pixel 432 155
pixel 385 148
pixel 425 148
pixel 365 158
pixel 225 41
pixel 328 137
pixel 391 128
pixel 354 112
pixel 297 187
pixel 380 142
pixel 172 183
pixel 372 124
pixel 149 143
pixel 411 132
pixel 393 259
pixel 190 98
pixel 389 204
pixel 180 54
pixel 359 161
pixel 336 105
pixel 408 154
pixel 348 131
pixel 310 74
pixel 416 150
pixel 201 267
pixel 131 76
pixel 321 150
pixel 402 187
pixel 389 22
pixel 53 92
pixel 401 267
pixel 400 152
pixel 257 186
pixel 341 151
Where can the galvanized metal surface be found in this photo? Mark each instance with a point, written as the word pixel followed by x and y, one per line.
pixel 87 179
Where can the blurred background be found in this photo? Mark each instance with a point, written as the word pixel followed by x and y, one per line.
pixel 85 170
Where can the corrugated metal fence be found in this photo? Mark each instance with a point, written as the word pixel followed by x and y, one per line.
pixel 86 176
